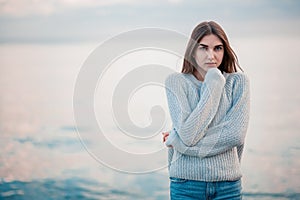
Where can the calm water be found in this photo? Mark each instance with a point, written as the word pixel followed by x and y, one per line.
pixel 41 156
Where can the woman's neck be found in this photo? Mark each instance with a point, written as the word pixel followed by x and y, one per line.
pixel 199 74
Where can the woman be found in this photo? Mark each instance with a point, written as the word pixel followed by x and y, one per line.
pixel 209 107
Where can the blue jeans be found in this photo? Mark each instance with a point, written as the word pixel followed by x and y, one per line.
pixel 183 189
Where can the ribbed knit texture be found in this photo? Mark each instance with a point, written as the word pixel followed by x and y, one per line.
pixel 210 121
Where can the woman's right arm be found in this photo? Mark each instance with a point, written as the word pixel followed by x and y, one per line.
pixel 191 124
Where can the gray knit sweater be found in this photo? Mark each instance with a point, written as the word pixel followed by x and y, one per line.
pixel 210 121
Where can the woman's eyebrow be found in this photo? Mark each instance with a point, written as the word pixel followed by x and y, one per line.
pixel 204 45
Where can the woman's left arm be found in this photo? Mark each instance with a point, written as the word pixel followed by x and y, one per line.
pixel 229 133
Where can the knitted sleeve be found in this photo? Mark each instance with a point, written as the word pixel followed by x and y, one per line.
pixel 229 133
pixel 188 123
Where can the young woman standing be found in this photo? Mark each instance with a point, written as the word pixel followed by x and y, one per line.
pixel 209 107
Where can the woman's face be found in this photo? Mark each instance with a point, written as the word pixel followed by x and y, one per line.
pixel 209 53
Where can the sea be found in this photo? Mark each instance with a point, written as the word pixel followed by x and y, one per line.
pixel 72 130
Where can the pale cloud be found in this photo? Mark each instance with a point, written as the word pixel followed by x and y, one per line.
pixel 21 8
pixel 39 7
pixel 175 1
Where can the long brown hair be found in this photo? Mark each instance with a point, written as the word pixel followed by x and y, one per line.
pixel 230 61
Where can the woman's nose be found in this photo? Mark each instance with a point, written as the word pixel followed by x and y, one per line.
pixel 210 54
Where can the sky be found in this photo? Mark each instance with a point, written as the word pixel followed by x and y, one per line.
pixel 61 21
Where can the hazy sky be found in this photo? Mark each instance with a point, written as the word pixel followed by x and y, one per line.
pixel 90 20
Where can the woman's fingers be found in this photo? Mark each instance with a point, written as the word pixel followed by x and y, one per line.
pixel 165 136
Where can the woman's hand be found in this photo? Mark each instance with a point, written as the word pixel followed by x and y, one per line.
pixel 165 137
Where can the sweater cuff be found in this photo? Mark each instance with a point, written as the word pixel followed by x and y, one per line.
pixel 214 76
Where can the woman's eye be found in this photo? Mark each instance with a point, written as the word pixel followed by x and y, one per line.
pixel 203 48
pixel 218 48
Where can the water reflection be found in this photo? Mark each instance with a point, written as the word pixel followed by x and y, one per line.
pixel 73 188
